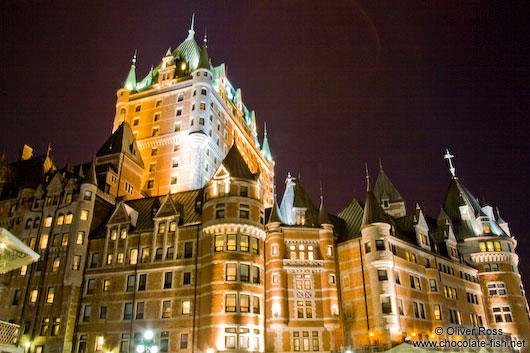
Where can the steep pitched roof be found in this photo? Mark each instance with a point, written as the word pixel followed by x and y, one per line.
pixel 91 177
pixel 323 216
pixel 130 81
pixel 352 215
pixel 122 141
pixel 373 213
pixel 385 189
pixel 204 59
pixel 236 165
pixel 458 195
pixel 265 150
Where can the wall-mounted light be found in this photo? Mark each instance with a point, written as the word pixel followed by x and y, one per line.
pixel 276 310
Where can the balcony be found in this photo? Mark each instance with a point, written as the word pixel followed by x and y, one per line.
pixel 9 337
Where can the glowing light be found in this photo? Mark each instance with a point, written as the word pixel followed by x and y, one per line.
pixel 400 332
pixel 148 335
pixel 27 344
pixel 210 350
pixel 2 245
pixel 432 335
pixel 140 349
pixel 413 334
pixel 348 351
pixel 276 310
pixel 371 334
pixel 183 66
pixel 153 349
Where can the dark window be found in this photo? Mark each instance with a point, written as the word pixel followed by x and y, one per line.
pixel 379 245
pixel 220 213
pixel 127 311
pixel 243 191
pixel 91 283
pixel 138 108
pixel 168 280
pixel 142 280
pixel 158 253
pixel 184 341
pixel 139 311
pixel 382 274
pixel 188 250
pixel 203 92
pixel 103 312
pixel 187 278
pixel 87 313
pixel 88 195
pixel 16 297
pixel 130 283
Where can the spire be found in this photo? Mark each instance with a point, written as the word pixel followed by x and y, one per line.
pixel 130 82
pixel 191 31
pixel 91 173
pixel 367 177
pixel 373 213
pixel 204 59
pixel 449 158
pixel 323 216
pixel 265 150
pixel 384 189
pixel 168 52
pixel 380 164
pixel 275 212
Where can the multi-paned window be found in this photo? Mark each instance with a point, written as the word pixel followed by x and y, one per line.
pixel 306 341
pixel 502 314
pixel 496 288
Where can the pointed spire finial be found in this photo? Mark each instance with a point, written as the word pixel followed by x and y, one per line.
pixel 367 177
pixel 265 129
pixel 134 57
pixel 380 163
pixel 48 149
pixel 191 31
pixel 321 192
pixel 168 52
pixel 205 40
pixel 449 158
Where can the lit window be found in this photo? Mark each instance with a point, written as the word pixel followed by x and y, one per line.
pixel 231 242
pixel 177 127
pixel 48 221
pixel 203 106
pixel 56 264
pixel 166 309
pixel 186 307
pixel 43 241
pixel 100 339
pixel 106 285
pixel 120 257
pixel 60 220
pixel 243 243
pixel 219 242
pixel 51 295
pixel 84 215
pixel 34 295
pixel 80 238
pixel 230 303
pixel 175 163
pixel 123 234
pixel 173 180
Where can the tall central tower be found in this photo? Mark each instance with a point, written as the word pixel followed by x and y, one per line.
pixel 185 115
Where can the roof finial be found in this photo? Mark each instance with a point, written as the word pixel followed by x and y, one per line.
pixel 191 31
pixel 265 128
pixel 367 177
pixel 380 163
pixel 449 158
pixel 134 57
pixel 205 40
pixel 48 149
pixel 321 193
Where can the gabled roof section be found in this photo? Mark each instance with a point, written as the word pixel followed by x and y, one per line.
pixel 373 213
pixel 124 214
pixel 384 189
pixel 236 165
pixel 122 141
pixel 167 209
pixel 353 217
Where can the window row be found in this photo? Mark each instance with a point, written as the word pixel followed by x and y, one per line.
pixel 247 303
pixel 246 273
pixel 58 240
pixel 54 200
pixel 138 311
pixel 143 257
pixel 419 311
pixel 236 242
pixel 61 219
pixel 244 338
pixel 306 341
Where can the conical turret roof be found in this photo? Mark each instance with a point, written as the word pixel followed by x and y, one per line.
pixel 236 165
pixel 265 150
pixel 204 59
pixel 373 213
pixel 385 189
pixel 130 81
pixel 91 174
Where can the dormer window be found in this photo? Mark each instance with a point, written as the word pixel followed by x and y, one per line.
pixel 300 217
pixel 464 213
pixel 161 228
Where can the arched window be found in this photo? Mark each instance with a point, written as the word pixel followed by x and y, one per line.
pixel 60 219
pixel 36 222
pixel 68 218
pixel 28 223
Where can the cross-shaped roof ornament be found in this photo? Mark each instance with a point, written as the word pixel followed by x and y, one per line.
pixel 449 158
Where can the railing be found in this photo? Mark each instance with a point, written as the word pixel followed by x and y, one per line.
pixel 8 334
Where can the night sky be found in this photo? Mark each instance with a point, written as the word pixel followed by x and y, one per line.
pixel 339 83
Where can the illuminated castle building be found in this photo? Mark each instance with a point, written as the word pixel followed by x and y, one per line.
pixel 173 228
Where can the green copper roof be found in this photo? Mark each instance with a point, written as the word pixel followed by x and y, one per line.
pixel 130 82
pixel 265 150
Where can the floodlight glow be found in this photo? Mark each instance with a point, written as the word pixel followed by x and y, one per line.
pixel 148 335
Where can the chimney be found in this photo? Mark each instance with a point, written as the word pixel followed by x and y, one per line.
pixel 26 152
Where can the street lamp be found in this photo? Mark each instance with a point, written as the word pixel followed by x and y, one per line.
pixel 147 345
pixel 27 345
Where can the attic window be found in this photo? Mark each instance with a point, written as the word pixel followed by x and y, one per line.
pixel 464 213
pixel 300 217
